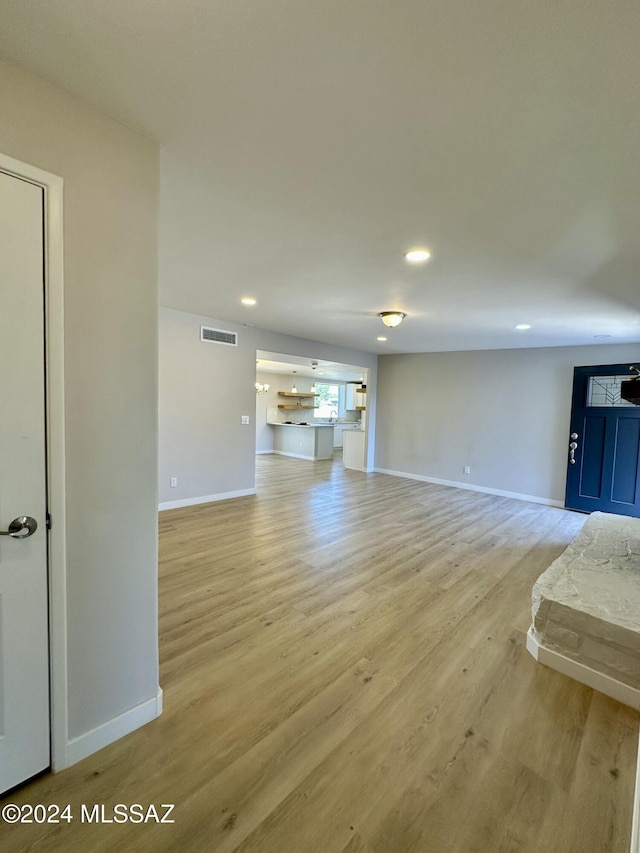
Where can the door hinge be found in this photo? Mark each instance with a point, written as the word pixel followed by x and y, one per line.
pixel 48 521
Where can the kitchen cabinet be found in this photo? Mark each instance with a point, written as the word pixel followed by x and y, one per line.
pixel 356 398
pixel 339 430
pixel 354 446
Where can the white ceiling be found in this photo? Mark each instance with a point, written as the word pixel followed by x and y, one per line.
pixel 273 362
pixel 306 145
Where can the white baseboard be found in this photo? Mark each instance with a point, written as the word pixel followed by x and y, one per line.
pixel 300 456
pixel 263 452
pixel 205 499
pixel 113 730
pixel 472 488
pixel 584 674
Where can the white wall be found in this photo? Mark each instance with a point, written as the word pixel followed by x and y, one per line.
pixel 205 389
pixel 110 336
pixel 265 402
pixel 505 413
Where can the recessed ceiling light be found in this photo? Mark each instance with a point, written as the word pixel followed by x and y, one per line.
pixel 522 326
pixel 417 256
pixel 248 300
pixel 602 336
pixel 381 338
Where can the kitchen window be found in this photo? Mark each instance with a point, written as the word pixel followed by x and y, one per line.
pixel 330 401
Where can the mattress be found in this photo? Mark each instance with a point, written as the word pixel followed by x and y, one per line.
pixel 586 605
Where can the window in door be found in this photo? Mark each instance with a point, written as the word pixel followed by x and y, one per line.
pixel 605 391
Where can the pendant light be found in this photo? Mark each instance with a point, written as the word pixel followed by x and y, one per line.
pixel 294 390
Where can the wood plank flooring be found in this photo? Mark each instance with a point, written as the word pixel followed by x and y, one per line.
pixel 344 671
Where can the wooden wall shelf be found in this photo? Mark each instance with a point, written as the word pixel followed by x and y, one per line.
pixel 296 394
pixel 288 406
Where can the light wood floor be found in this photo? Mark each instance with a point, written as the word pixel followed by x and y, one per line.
pixel 344 671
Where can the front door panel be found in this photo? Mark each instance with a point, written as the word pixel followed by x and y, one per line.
pixel 605 472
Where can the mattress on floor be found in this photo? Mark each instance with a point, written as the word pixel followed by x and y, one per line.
pixel 586 606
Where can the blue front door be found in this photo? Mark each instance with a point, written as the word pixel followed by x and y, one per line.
pixel 604 445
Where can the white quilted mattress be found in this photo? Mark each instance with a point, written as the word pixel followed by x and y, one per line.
pixel 586 606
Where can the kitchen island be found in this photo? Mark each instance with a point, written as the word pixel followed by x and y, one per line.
pixel 303 441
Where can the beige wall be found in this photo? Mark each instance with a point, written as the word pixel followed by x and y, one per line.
pixel 505 413
pixel 110 337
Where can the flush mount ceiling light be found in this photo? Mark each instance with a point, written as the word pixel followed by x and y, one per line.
pixel 392 318
pixel 521 327
pixel 381 338
pixel 248 300
pixel 417 256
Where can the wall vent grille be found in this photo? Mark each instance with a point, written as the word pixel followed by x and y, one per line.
pixel 218 336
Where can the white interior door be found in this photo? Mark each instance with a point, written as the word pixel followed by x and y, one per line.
pixel 24 656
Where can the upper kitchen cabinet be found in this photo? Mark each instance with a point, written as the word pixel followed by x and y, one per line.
pixel 356 399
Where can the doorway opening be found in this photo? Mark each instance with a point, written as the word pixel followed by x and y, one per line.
pixel 326 399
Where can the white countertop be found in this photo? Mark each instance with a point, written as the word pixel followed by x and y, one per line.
pixel 349 426
pixel 302 426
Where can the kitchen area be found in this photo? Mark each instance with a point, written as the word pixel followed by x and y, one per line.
pixel 311 410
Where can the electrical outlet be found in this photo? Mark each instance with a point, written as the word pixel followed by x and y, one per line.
pixel 174 482
pixel 245 419
pixel 467 469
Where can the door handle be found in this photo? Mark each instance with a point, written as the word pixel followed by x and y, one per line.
pixel 572 452
pixel 21 527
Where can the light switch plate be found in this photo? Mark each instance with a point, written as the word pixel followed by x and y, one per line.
pixel 245 419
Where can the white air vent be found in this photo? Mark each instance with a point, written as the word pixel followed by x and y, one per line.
pixel 218 336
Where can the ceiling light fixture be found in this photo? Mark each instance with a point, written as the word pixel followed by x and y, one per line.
pixel 392 318
pixel 248 300
pixel 381 338
pixel 417 256
pixel 294 390
pixel 521 327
